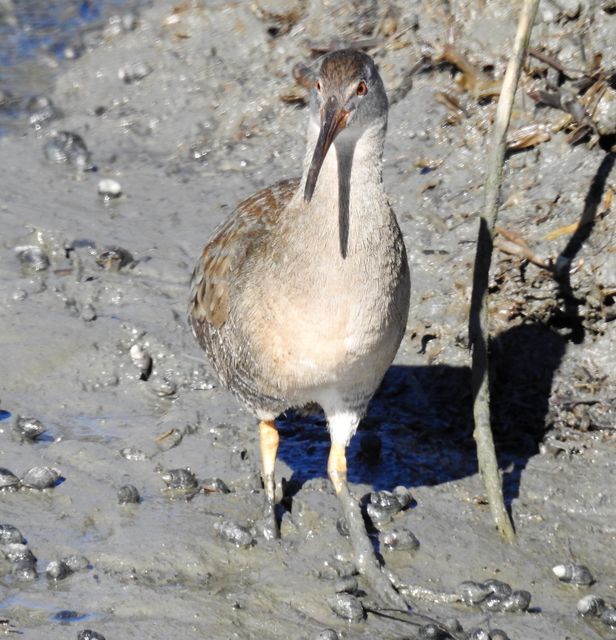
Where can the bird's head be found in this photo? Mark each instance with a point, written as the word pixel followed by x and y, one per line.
pixel 348 97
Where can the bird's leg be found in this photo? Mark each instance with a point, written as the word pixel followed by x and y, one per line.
pixel 268 436
pixel 365 557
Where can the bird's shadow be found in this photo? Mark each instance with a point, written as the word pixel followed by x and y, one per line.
pixel 418 430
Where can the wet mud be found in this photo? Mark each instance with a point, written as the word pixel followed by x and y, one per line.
pixel 153 468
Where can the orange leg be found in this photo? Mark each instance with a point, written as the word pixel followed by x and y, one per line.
pixel 337 466
pixel 268 436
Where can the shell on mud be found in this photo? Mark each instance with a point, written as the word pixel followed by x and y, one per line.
pixel 608 617
pixel 41 478
pixel 386 500
pixel 18 553
pixel 88 634
pixel 180 479
pixel 400 540
pixel 478 634
pixel 591 605
pixel 169 439
pixel 327 634
pixel 576 574
pixel 347 606
pixel 498 634
pixel 57 570
pixel 473 592
pixel 215 485
pixel 235 533
pixel 109 188
pixel 498 588
pixel 32 258
pixel 66 147
pixel 378 516
pixel 10 534
pixel 128 494
pixel 342 526
pixel 133 454
pixel 76 562
pixel 162 386
pixel 516 601
pixel 41 110
pixel 8 480
pixel 114 258
pixel 337 568
pixel 404 496
pixel 29 428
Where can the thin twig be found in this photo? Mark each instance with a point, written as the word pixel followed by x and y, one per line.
pixel 478 323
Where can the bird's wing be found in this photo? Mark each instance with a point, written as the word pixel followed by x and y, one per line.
pixel 211 279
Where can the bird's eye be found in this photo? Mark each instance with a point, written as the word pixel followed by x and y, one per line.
pixel 362 89
pixel 318 86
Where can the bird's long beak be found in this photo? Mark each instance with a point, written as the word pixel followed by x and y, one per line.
pixel 333 120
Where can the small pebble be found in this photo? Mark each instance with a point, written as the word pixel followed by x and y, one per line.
pixel 134 72
pixel 29 428
pixel 8 480
pixel 180 479
pixel 347 606
pixel 66 147
pixel 327 634
pixel 234 533
pixel 88 313
pixel 142 360
pixel 400 540
pixel 88 634
pixel 478 634
pixel 498 634
pixel 386 500
pixel 24 571
pixel 576 574
pixel 378 515
pixel 10 534
pixel 41 478
pixel 128 494
pixel 109 188
pixel 57 570
pixel 32 258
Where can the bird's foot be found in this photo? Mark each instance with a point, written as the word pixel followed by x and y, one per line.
pixel 365 557
pixel 269 525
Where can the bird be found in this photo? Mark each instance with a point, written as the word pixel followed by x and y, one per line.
pixel 302 295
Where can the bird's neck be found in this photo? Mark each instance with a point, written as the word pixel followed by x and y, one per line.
pixel 349 203
pixel 352 170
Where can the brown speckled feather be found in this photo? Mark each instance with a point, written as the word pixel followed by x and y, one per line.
pixel 232 242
